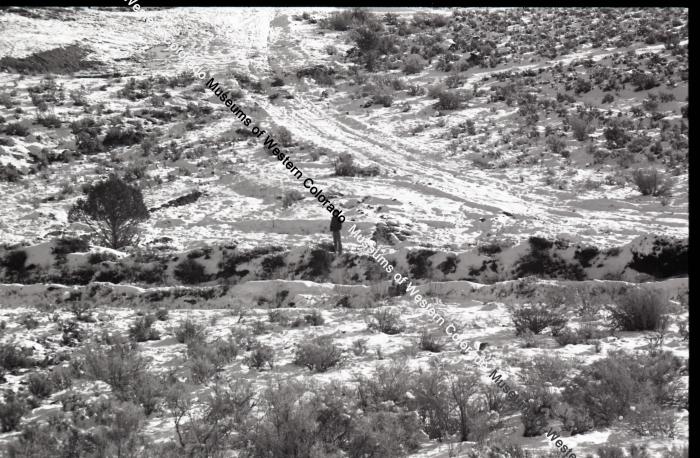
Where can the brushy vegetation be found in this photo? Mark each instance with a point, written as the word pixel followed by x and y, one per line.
pixel 537 318
pixel 652 182
pixel 68 59
pixel 640 309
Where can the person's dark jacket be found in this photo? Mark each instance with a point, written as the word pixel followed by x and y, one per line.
pixel 336 224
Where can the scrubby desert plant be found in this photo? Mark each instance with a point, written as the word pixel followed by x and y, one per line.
pixel 14 264
pixel 433 341
pixel 16 128
pixel 119 365
pixel 207 359
pixel 260 356
pixel 11 411
pixel 190 272
pixel 13 357
pixel 448 100
pixel 113 210
pixel 413 63
pixel 640 309
pixel 537 318
pixel 315 318
pixel 386 320
pixel 142 330
pixel 319 354
pixel 290 197
pixel 187 330
pixel 652 182
pixel 49 120
pixel 40 385
pixel 10 173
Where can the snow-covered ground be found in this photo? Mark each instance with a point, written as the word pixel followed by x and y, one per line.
pixel 430 185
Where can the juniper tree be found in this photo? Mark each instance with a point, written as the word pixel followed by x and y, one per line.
pixel 113 210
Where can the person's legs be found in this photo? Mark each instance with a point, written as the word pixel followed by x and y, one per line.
pixel 337 245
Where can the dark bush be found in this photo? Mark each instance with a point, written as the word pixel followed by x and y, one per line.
pixel 602 392
pixel 142 331
pixel 413 63
pixel 536 318
pixel 344 167
pixel 11 412
pixel 419 263
pixel 188 330
pixel 66 59
pixel 640 309
pixel 50 120
pixel 119 365
pixel 116 136
pixel 586 255
pixel 40 385
pixel 319 354
pixel 190 272
pixel 10 173
pixel 433 342
pixel 207 359
pixel 315 318
pixel 260 356
pixel 17 129
pixel 616 136
pixel 387 321
pixel 652 182
pixel 385 434
pixel 448 100
pixel 12 357
pixel 644 81
pixel 535 416
pixel 66 245
pixel 668 258
pixel 14 264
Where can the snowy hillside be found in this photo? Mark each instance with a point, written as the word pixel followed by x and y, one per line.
pixel 521 166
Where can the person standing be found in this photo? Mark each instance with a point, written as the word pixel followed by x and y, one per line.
pixel 336 226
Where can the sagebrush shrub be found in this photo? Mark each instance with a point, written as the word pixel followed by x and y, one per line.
pixel 319 354
pixel 260 356
pixel 119 365
pixel 11 411
pixel 387 321
pixel 315 318
pixel 537 318
pixel 652 182
pixel 14 263
pixel 16 128
pixel 117 136
pixel 385 434
pixel 604 390
pixel 448 100
pixel 648 419
pixel 413 63
pixel 142 330
pixel 13 357
pixel 535 416
pixel 187 330
pixel 190 272
pixel 431 341
pixel 207 359
pixel 290 197
pixel 40 385
pixel 389 382
pixel 640 309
